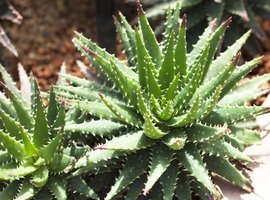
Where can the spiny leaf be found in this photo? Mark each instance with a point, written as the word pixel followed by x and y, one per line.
pixel 231 114
pixel 249 137
pixel 221 61
pixel 77 184
pixel 181 49
pixel 246 91
pixel 224 168
pixel 14 147
pixel 95 108
pixel 199 132
pixel 224 149
pixel 150 130
pixel 103 128
pixel 238 74
pixel 192 161
pixel 48 151
pixel 172 89
pixel 41 131
pixel 175 140
pixel 124 113
pixel 182 190
pixel 136 187
pixel 16 130
pixel 161 159
pixel 127 142
pixel 188 117
pixel 21 110
pixel 60 162
pixel 58 186
pixel 166 72
pixel 149 37
pixel 52 108
pixel 168 181
pixel 27 191
pixel 136 165
pixel 40 177
pixel 12 171
pixel 82 41
pixel 10 191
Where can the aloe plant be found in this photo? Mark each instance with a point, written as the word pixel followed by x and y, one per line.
pixel 35 155
pixel 200 12
pixel 170 119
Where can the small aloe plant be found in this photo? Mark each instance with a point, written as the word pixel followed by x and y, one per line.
pixel 172 119
pixel 34 160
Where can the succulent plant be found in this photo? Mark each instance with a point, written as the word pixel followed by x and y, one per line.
pixel 35 156
pixel 200 12
pixel 171 120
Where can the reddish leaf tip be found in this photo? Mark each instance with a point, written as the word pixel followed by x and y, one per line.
pixel 227 22
pixel 184 21
pixel 139 8
pixel 236 59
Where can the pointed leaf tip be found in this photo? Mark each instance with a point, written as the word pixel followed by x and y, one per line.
pixel 236 59
pixel 184 21
pixel 139 8
pixel 227 22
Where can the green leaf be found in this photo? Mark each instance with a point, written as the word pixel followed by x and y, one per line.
pixel 9 82
pixel 226 170
pixel 166 72
pixel 48 151
pixel 199 133
pixel 149 38
pixel 10 191
pixel 182 190
pixel 104 128
pixel 172 89
pixel 239 73
pixel 136 165
pixel 246 91
pixel 21 110
pixel 27 191
pixel 225 57
pixel 192 161
pixel 150 130
pixel 232 114
pixel 77 184
pixel 135 189
pixel 162 157
pixel 249 137
pixel 124 113
pixel 95 108
pixel 59 163
pixel 224 149
pixel 12 171
pixel 168 180
pixel 146 68
pixel 40 177
pixel 58 186
pixel 128 142
pixel 52 108
pixel 188 117
pixel 181 50
pixel 81 42
pixel 130 34
pixel 14 148
pixel 41 131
